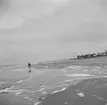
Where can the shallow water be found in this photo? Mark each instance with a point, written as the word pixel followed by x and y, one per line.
pixel 18 86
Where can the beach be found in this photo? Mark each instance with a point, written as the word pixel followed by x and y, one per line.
pixel 72 85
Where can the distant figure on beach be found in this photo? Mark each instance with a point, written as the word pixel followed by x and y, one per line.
pixel 29 66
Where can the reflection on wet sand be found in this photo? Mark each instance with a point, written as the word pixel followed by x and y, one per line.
pixel 41 86
pixel 88 92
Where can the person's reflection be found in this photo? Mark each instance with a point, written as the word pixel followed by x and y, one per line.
pixel 29 66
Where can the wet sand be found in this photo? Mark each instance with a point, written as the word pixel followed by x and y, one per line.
pixel 74 85
pixel 87 92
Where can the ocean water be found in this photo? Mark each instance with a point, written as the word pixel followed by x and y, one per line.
pixel 19 87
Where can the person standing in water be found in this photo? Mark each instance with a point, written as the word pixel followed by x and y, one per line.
pixel 29 66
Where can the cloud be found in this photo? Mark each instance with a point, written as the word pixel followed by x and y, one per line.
pixel 19 11
pixel 10 22
pixel 104 44
pixel 80 26
pixel 56 1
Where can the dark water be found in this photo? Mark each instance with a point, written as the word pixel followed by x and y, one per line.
pixel 87 92
pixel 76 85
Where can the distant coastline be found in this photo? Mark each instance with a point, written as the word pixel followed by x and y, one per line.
pixel 84 59
pixel 79 57
pixel 61 63
pixel 91 55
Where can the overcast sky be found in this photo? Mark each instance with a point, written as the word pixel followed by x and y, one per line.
pixel 40 30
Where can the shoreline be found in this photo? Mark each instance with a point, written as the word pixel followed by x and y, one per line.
pixel 88 92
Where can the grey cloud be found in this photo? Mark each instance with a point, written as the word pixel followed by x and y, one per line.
pixel 19 11
pixel 78 27
pixel 4 5
pixel 103 3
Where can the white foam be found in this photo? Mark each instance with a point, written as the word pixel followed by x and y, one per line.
pixel 43 92
pixel 66 102
pixel 7 89
pixel 15 70
pixel 85 70
pixel 94 69
pixel 74 67
pixel 18 93
pixel 19 81
pixel 37 103
pixel 81 94
pixel 79 75
pixel 59 90
pixel 41 89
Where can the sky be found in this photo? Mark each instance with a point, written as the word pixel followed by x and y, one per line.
pixel 41 30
